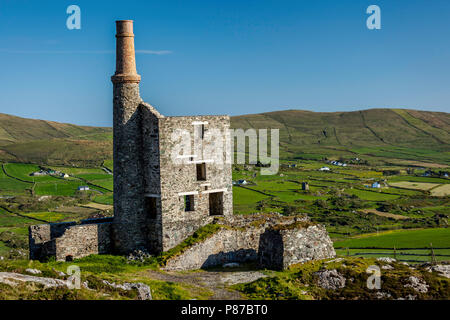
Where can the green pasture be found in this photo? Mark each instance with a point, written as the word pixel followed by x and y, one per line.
pixel 12 186
pixel 439 237
pixel 371 195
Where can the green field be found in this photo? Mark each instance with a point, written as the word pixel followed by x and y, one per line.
pixel 439 237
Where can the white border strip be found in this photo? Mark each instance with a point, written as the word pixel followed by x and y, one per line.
pixel 187 193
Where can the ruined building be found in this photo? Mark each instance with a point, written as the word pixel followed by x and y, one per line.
pixel 163 195
pixel 158 201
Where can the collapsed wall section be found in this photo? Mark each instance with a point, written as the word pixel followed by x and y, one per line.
pixel 69 240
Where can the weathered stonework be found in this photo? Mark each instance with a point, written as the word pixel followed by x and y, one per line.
pixel 281 247
pixel 276 243
pixel 150 186
pixel 227 245
pixel 69 240
pixel 172 175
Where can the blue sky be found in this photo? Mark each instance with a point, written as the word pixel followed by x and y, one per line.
pixel 232 57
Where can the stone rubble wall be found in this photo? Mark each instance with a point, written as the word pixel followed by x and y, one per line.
pixel 272 249
pixel 92 236
pixel 227 245
pixel 83 240
pixel 281 248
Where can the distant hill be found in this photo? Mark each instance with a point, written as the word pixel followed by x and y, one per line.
pixel 390 136
pixel 49 142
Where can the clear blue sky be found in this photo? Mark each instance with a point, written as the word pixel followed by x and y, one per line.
pixel 233 57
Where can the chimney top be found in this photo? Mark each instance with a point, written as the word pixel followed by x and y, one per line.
pixel 125 54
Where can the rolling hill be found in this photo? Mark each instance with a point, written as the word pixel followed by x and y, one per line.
pixel 49 142
pixel 384 134
pixel 390 136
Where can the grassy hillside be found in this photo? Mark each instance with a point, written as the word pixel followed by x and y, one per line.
pixel 386 135
pixel 382 136
pixel 49 142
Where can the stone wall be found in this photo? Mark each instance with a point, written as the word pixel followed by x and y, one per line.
pixel 281 247
pixel 227 245
pixel 82 240
pixel 69 239
pixel 40 237
pixel 179 175
pixel 274 247
pixel 129 218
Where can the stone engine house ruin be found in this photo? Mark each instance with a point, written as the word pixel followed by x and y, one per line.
pixel 159 199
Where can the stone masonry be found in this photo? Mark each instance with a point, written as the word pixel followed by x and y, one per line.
pixel 158 201
pixel 172 175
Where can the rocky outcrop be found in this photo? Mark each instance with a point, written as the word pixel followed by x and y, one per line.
pixel 330 279
pixel 143 290
pixel 417 284
pixel 442 269
pixel 12 279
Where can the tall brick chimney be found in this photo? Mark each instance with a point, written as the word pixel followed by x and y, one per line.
pixel 125 54
pixel 129 224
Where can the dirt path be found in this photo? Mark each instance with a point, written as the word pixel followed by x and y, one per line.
pixel 217 282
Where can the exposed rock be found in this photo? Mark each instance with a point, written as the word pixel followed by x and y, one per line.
pixel 330 279
pixel 59 273
pixel 144 292
pixel 417 284
pixel 383 295
pixel 386 259
pixel 33 271
pixel 12 279
pixel 387 267
pixel 442 269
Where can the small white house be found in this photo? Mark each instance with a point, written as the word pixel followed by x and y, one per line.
pixel 83 188
pixel 376 185
pixel 324 169
pixel 242 182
